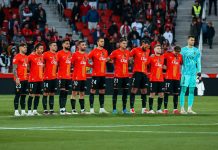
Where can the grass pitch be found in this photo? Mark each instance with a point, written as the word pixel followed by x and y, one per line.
pixel 117 132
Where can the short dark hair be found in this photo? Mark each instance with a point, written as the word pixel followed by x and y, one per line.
pixel 100 38
pixel 157 45
pixel 191 36
pixel 122 39
pixel 65 40
pixel 37 46
pixel 145 41
pixel 177 48
pixel 81 41
pixel 22 44
pixel 51 42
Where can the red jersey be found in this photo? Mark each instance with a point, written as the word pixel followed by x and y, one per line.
pixel 156 63
pixel 79 62
pixel 21 61
pixel 173 64
pixel 99 59
pixel 64 64
pixel 36 67
pixel 121 59
pixel 50 69
pixel 140 59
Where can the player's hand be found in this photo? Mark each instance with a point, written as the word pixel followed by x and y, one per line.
pixel 199 76
pixel 17 81
pixel 152 55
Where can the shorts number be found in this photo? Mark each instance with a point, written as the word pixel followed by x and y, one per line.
pixel 167 85
pixel 133 80
pixel 46 85
pixel 31 86
pixel 150 85
pixel 94 81
pixel 115 80
pixel 18 86
pixel 75 83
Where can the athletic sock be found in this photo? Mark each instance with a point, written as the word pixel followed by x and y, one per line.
pixel 51 102
pixel 124 98
pixel 30 100
pixel 159 103
pixel 82 104
pixel 144 100
pixel 182 96
pixel 73 104
pixel 132 100
pixel 114 98
pixel 175 101
pixel 61 98
pixel 23 102
pixel 91 100
pixel 65 98
pixel 101 100
pixel 36 102
pixel 191 96
pixel 151 103
pixel 166 96
pixel 16 101
pixel 44 102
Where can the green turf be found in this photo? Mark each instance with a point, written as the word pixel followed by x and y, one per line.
pixel 133 132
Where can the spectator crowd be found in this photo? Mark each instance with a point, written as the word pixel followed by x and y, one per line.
pixel 150 20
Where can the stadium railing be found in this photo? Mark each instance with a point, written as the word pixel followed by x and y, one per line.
pixel 200 46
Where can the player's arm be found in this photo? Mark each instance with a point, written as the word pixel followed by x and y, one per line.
pixel 17 80
pixel 165 62
pixel 198 64
pixel 111 58
pixel 131 56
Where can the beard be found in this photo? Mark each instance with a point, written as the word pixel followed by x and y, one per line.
pixel 67 48
pixel 143 48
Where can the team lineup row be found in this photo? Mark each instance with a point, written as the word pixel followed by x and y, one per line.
pixel 45 68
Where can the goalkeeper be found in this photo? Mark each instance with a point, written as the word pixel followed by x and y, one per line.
pixel 191 68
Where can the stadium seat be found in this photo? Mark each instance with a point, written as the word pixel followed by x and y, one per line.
pixel 5 24
pixel 100 12
pixel 108 12
pixel 79 26
pixel 90 39
pixel 105 19
pixel 85 32
pixel 115 18
pixel 68 13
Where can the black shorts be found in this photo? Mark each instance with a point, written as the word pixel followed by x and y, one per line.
pixel 157 87
pixel 98 83
pixel 79 85
pixel 172 86
pixel 65 83
pixel 22 88
pixel 50 86
pixel 121 83
pixel 139 80
pixel 35 87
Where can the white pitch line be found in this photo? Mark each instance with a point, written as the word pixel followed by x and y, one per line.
pixel 115 131
pixel 109 126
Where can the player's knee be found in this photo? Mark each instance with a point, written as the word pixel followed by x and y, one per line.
pixel 102 91
pixel 51 94
pixel 134 90
pixel 161 95
pixel 92 91
pixel 152 95
pixel 143 91
pixel 45 94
